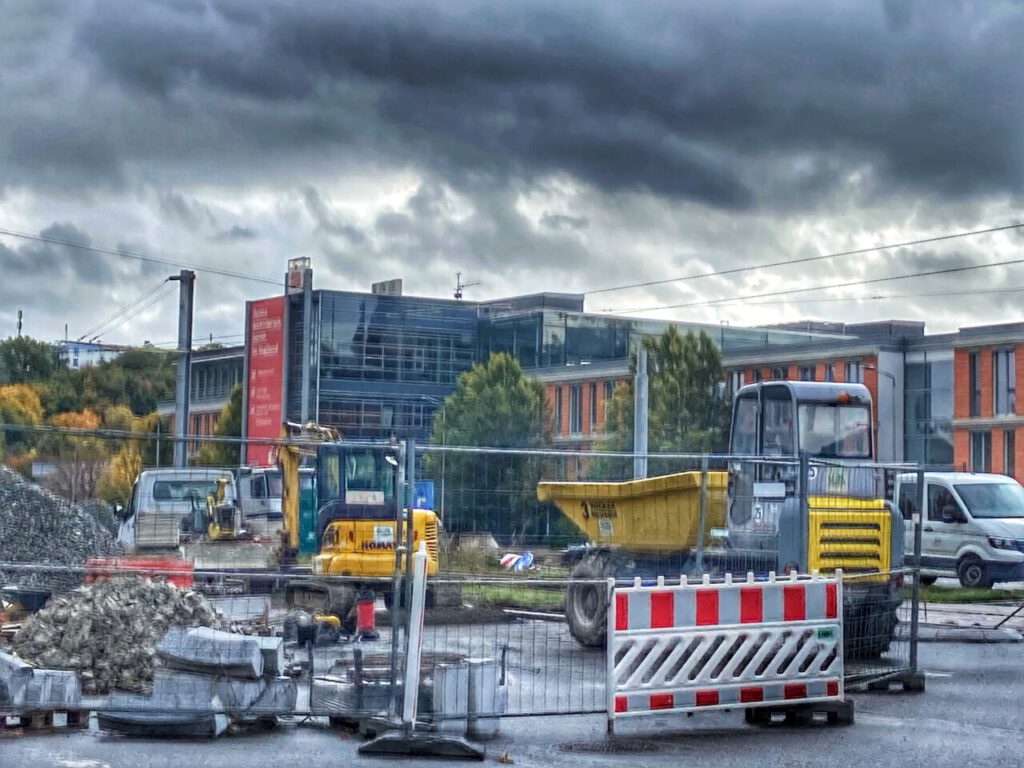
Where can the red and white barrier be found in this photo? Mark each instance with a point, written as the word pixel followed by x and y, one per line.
pixel 715 646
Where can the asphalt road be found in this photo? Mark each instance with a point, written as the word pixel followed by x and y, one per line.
pixel 970 715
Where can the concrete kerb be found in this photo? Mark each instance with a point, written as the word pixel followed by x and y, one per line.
pixel 939 633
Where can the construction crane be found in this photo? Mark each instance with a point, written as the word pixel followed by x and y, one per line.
pixel 459 285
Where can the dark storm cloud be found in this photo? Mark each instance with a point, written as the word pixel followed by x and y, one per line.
pixel 327 220
pixel 237 232
pixel 57 261
pixel 686 101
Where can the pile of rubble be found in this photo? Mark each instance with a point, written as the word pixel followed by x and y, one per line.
pixel 42 529
pixel 108 632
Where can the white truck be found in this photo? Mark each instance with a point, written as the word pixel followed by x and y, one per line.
pixel 972 529
pixel 166 502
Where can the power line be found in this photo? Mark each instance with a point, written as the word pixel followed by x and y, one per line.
pixel 881 297
pixel 808 259
pixel 791 291
pixel 127 307
pixel 137 256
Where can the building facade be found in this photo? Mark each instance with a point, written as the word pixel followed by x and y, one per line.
pixel 214 373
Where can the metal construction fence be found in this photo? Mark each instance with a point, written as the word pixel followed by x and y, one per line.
pixel 170 600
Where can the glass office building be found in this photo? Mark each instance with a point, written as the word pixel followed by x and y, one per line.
pixel 380 365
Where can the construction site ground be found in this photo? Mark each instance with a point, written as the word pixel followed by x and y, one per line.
pixel 968 716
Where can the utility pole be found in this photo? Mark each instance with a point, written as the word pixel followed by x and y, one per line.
pixel 640 415
pixel 186 300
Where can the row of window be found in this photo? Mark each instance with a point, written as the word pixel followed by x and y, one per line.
pixel 575 405
pixel 1004 386
pixel 981 452
pixel 853 373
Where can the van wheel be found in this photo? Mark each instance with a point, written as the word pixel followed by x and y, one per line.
pixel 973 574
pixel 929 580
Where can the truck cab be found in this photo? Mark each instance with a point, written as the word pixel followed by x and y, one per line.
pixel 165 501
pixel 972 529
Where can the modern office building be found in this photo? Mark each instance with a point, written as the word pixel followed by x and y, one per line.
pixel 379 364
pixel 214 373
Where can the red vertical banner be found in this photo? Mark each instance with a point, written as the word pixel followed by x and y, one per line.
pixel 265 328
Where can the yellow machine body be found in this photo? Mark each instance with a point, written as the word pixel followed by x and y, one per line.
pixel 366 548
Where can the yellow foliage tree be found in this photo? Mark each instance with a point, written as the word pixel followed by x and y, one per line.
pixel 19 406
pixel 116 483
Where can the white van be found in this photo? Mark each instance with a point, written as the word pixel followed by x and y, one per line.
pixel 973 527
pixel 165 500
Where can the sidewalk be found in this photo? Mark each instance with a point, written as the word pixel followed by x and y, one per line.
pixel 971 622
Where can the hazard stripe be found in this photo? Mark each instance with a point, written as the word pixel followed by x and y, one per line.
pixel 707 698
pixel 794 691
pixel 707 608
pixel 662 609
pixel 621 611
pixel 830 601
pixel 750 606
pixel 661 701
pixel 793 603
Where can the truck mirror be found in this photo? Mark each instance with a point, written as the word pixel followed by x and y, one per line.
pixel 951 514
pixel 119 511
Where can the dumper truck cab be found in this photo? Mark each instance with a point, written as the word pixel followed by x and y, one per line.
pixel 165 502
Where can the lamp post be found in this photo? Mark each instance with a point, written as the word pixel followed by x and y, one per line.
pixel 892 380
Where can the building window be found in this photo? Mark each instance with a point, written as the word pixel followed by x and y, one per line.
pixel 558 410
pixel 974 385
pixel 981 451
pixel 575 409
pixel 1009 449
pixel 735 381
pixel 758 375
pixel 830 372
pixel 806 373
pixel 593 406
pixel 779 373
pixel 1004 393
pixel 609 395
pixel 855 373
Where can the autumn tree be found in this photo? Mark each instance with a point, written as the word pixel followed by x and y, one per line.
pixel 20 406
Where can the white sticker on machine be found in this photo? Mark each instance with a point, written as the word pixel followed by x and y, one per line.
pixel 604 527
pixel 383 534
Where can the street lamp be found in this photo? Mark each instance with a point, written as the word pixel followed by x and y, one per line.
pixel 892 380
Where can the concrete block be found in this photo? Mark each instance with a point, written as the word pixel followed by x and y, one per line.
pixel 212 651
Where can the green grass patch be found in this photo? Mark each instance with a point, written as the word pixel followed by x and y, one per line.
pixel 528 598
pixel 935 594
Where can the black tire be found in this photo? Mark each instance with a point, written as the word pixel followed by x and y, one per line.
pixel 868 631
pixel 929 580
pixel 586 605
pixel 973 574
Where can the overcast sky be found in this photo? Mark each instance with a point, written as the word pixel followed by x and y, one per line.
pixel 532 146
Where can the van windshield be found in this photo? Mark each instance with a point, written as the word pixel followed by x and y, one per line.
pixel 993 500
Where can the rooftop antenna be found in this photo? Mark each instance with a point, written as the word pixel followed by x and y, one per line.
pixel 19 322
pixel 459 285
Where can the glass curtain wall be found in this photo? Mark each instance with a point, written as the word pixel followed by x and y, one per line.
pixel 928 408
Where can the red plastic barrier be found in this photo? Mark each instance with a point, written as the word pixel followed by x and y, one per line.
pixel 174 570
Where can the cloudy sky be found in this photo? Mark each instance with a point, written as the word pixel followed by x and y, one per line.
pixel 532 146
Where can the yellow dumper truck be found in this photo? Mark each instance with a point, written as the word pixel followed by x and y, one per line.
pixel 798 493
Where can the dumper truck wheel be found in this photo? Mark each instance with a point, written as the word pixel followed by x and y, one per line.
pixel 586 605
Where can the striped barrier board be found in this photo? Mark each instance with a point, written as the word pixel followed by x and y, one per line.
pixel 697 646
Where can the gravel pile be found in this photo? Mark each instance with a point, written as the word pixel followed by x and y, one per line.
pixel 41 528
pixel 108 632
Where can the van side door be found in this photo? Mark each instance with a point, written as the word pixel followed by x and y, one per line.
pixel 942 533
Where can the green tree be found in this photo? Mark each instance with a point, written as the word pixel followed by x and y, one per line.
pixel 494 405
pixel 685 411
pixel 229 424
pixel 24 359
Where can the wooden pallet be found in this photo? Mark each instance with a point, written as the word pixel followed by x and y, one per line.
pixel 45 721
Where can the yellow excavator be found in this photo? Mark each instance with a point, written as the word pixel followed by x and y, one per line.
pixel 342 517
